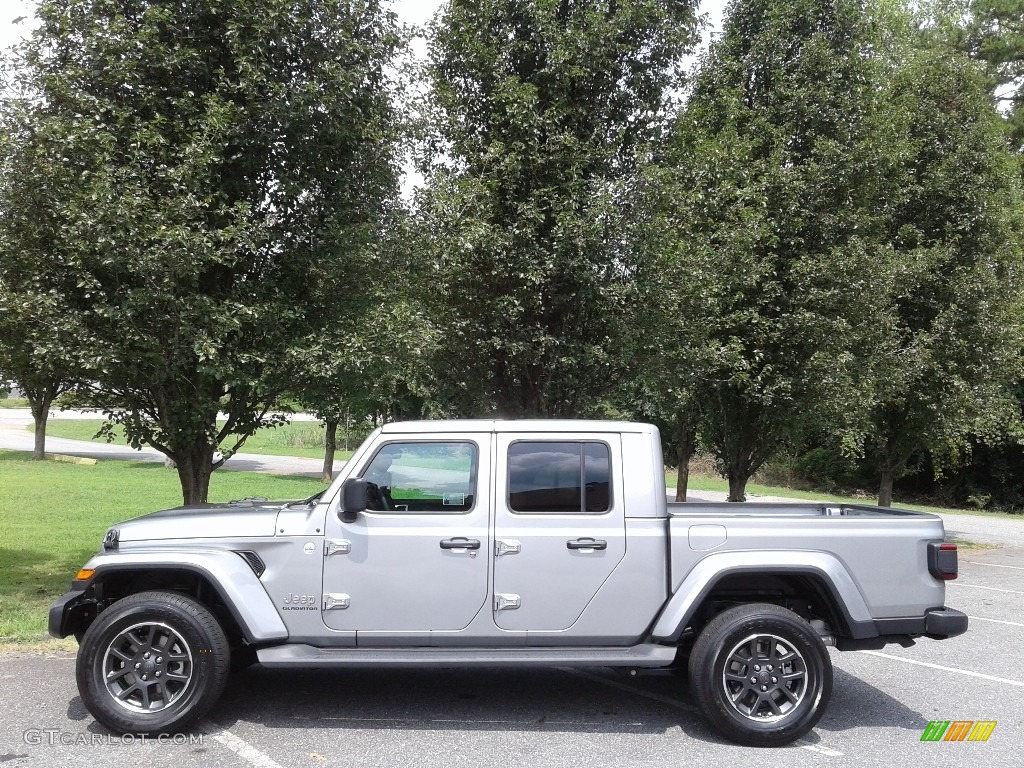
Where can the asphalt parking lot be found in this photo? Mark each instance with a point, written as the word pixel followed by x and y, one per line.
pixel 881 704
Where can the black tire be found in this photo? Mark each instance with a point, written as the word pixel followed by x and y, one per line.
pixel 152 663
pixel 735 675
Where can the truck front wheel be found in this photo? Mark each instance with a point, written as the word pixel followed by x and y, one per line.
pixel 761 675
pixel 152 663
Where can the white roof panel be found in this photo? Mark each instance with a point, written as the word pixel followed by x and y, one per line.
pixel 515 425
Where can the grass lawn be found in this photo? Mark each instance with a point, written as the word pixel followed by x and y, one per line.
pixel 300 438
pixel 13 402
pixel 53 516
pixel 707 483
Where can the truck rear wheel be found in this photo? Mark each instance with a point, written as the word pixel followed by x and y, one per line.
pixel 152 663
pixel 761 675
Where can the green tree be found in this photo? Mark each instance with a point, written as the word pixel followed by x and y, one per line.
pixel 27 360
pixel 379 368
pixel 670 345
pixel 774 172
pixel 376 361
pixel 951 344
pixel 541 113
pixel 222 165
pixel 37 335
pixel 994 33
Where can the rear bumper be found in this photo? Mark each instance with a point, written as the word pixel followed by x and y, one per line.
pixel 936 624
pixel 940 623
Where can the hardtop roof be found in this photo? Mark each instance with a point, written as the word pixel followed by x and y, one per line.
pixel 515 425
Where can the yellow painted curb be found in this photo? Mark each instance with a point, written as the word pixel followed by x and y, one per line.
pixel 70 459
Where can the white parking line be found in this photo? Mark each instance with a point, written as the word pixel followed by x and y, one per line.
pixel 998 621
pixel 820 750
pixel 967 672
pixel 991 589
pixel 243 748
pixel 994 565
pixel 675 703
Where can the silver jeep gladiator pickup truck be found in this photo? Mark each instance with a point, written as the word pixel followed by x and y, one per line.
pixel 504 543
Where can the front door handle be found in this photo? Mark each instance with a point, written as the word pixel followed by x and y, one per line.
pixel 460 542
pixel 586 543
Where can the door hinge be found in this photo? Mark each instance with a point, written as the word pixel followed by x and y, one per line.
pixel 506 547
pixel 334 601
pixel 506 602
pixel 337 547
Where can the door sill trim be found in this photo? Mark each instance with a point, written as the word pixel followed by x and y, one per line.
pixel 299 655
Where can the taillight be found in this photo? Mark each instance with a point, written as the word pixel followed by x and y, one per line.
pixel 942 562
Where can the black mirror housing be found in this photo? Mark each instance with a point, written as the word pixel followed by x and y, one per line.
pixel 353 499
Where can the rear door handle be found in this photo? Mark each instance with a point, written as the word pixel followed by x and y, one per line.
pixel 460 542
pixel 586 544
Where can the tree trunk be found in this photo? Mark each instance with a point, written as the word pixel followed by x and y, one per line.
pixel 896 452
pixel 737 487
pixel 885 488
pixel 330 445
pixel 686 438
pixel 40 407
pixel 682 477
pixel 194 471
pixel 531 402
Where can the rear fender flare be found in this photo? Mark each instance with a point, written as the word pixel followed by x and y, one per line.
pixel 701 580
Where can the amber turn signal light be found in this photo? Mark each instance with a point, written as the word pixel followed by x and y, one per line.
pixel 84 574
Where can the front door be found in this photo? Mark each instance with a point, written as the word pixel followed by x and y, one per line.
pixel 417 559
pixel 559 527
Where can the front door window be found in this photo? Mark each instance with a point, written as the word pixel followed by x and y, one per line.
pixel 422 477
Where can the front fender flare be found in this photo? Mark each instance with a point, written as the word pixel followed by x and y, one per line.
pixel 239 588
pixel 699 582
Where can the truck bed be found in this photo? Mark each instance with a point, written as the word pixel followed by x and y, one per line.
pixel 776 509
pixel 867 548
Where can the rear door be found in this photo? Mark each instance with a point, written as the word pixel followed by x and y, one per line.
pixel 559 526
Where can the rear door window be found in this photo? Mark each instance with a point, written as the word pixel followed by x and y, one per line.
pixel 559 477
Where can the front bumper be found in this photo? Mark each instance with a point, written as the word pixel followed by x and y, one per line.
pixel 72 611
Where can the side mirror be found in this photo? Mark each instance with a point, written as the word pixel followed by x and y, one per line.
pixel 353 499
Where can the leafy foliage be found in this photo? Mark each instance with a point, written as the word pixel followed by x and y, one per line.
pixel 952 342
pixel 995 34
pixel 217 166
pixel 38 340
pixel 542 113
pixel 776 175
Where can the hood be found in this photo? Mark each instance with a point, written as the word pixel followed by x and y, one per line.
pixel 204 521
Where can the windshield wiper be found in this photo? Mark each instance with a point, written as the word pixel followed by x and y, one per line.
pixel 308 502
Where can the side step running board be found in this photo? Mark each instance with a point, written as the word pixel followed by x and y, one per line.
pixel 309 656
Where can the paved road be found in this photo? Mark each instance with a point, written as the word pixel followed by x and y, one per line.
pixel 880 706
pixel 13 434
